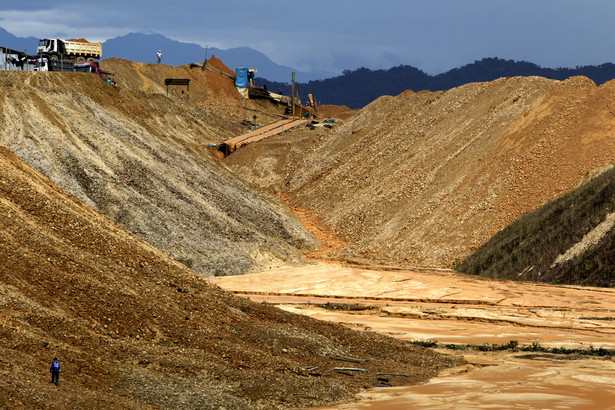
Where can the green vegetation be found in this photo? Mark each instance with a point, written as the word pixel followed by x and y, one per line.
pixel 514 346
pixel 527 248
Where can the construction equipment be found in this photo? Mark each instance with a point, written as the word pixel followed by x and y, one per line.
pixel 45 64
pixel 94 68
pixel 59 49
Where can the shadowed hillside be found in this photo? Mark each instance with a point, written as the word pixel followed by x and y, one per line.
pixel 569 241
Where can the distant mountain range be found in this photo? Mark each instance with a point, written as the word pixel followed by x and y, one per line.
pixel 24 44
pixel 142 48
pixel 354 89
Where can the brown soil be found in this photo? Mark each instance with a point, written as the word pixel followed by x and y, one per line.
pixel 208 88
pixel 443 306
pixel 329 241
pixel 423 179
pixel 135 329
pixel 417 179
pixel 340 112
pixel 143 159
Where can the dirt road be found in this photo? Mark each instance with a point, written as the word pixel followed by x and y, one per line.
pixel 450 308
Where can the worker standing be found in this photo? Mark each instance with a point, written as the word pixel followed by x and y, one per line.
pixel 159 55
pixel 55 371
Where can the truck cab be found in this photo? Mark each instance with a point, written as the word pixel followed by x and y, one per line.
pixel 52 48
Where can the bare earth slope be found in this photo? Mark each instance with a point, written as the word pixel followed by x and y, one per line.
pixel 142 159
pixel 135 329
pixel 426 178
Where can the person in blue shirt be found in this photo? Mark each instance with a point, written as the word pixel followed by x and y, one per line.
pixel 55 371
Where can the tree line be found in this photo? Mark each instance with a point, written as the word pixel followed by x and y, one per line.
pixel 357 88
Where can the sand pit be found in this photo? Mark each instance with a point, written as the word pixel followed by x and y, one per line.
pixel 451 308
pixel 511 383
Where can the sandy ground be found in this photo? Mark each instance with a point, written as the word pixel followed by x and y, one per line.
pixel 451 308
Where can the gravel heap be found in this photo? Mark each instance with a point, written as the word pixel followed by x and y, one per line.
pixel 144 160
pixel 133 328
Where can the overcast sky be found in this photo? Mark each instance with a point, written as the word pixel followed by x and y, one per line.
pixel 432 35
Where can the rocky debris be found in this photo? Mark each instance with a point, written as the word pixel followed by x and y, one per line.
pixel 135 329
pixel 143 159
pixel 424 179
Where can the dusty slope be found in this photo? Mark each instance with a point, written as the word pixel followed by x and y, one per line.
pixel 135 329
pixel 340 112
pixel 208 88
pixel 426 178
pixel 142 159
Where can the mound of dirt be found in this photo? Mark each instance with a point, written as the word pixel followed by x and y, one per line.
pixel 135 329
pixel 340 112
pixel 143 159
pixel 216 63
pixel 426 178
pixel 208 89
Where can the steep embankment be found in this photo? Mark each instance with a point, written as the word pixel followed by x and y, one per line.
pixel 570 240
pixel 142 159
pixel 209 89
pixel 426 178
pixel 135 329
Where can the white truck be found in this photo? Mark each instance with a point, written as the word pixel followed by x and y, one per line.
pixel 78 50
pixel 45 64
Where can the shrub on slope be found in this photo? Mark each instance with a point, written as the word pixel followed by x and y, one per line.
pixel 529 247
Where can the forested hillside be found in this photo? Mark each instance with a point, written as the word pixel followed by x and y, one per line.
pixel 360 87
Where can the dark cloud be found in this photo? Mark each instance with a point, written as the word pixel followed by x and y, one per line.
pixel 343 34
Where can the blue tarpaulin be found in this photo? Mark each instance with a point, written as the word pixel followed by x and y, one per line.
pixel 241 77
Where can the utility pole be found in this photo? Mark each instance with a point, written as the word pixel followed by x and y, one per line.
pixel 292 96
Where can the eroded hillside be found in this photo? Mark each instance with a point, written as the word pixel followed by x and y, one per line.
pixel 426 178
pixel 143 159
pixel 136 329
